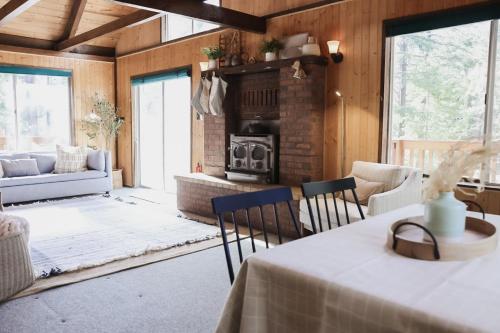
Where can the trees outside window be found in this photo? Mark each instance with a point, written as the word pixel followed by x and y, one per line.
pixel 438 89
pixel 35 112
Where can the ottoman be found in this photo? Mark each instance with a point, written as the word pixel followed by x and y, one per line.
pixel 16 271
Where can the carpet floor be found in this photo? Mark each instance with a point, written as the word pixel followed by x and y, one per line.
pixel 184 294
pixel 78 233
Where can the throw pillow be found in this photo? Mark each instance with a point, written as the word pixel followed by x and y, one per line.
pixel 364 190
pixel 46 162
pixel 20 168
pixel 96 160
pixel 70 159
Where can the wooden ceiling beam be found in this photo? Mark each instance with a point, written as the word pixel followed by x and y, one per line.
pixel 74 19
pixel 14 8
pixel 123 22
pixel 44 44
pixel 201 11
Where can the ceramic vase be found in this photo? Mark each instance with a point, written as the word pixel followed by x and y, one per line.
pixel 212 63
pixel 271 56
pixel 445 217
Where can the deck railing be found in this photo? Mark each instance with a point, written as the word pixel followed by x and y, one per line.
pixel 426 155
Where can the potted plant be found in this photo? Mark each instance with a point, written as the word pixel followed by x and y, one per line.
pixel 270 49
pixel 444 215
pixel 213 53
pixel 103 122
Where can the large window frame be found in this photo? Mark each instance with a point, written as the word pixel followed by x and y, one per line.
pixel 425 22
pixel 6 68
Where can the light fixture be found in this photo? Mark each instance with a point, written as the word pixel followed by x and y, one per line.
pixel 342 134
pixel 333 49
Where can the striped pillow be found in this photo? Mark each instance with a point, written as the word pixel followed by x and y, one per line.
pixel 70 159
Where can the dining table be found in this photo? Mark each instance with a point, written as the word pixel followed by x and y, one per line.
pixel 348 280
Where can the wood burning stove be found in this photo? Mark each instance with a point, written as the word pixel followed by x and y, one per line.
pixel 253 158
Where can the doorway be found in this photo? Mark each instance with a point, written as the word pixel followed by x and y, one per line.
pixel 162 113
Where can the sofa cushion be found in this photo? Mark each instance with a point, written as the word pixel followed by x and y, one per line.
pixel 20 168
pixel 46 162
pixel 364 190
pixel 96 160
pixel 70 159
pixel 391 175
pixel 51 178
pixel 14 156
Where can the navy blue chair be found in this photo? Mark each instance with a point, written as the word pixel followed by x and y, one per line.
pixel 231 204
pixel 324 188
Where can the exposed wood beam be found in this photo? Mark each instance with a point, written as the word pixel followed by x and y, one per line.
pixel 44 45
pixel 52 53
pixel 199 10
pixel 14 8
pixel 123 22
pixel 74 18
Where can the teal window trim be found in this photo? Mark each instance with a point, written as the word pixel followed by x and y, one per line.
pixel 170 75
pixel 489 10
pixel 34 71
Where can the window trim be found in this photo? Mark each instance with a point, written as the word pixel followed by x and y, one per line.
pixel 70 76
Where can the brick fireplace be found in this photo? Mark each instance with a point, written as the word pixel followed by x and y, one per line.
pixel 292 108
pixel 268 96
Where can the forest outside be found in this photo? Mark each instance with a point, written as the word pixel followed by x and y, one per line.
pixel 438 93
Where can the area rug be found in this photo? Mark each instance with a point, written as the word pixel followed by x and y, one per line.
pixel 80 233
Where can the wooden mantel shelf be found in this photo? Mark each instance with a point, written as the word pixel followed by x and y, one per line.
pixel 260 67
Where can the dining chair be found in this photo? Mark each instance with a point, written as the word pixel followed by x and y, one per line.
pixel 323 189
pixel 231 204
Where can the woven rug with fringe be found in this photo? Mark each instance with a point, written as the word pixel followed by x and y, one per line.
pixel 73 234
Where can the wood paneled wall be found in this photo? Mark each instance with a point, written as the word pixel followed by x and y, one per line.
pixel 356 23
pixel 89 77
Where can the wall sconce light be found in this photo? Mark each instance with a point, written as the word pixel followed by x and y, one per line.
pixel 333 49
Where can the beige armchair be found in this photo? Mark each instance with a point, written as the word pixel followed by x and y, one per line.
pixel 402 187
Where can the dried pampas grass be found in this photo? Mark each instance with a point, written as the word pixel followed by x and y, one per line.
pixel 460 164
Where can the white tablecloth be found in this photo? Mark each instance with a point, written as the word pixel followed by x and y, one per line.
pixel 346 280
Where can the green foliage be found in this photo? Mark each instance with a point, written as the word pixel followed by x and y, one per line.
pixel 272 46
pixel 103 121
pixel 439 83
pixel 213 52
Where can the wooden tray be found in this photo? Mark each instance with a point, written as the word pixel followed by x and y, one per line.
pixel 480 238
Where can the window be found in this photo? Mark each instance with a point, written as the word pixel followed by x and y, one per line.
pixel 444 88
pixel 177 26
pixel 35 112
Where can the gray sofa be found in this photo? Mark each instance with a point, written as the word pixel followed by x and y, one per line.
pixel 49 185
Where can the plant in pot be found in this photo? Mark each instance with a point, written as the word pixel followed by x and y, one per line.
pixel 213 53
pixel 103 123
pixel 270 49
pixel 445 215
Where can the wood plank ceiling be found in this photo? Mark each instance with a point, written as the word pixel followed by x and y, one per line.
pixel 94 26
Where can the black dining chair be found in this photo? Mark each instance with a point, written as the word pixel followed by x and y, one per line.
pixel 231 204
pixel 323 189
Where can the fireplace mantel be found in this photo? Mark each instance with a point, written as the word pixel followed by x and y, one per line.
pixel 261 67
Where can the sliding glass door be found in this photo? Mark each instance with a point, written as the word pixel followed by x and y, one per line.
pixel 163 129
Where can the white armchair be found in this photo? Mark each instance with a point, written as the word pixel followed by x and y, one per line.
pixel 402 187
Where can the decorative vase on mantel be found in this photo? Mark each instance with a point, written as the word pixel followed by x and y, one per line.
pixel 445 217
pixel 271 56
pixel 212 64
